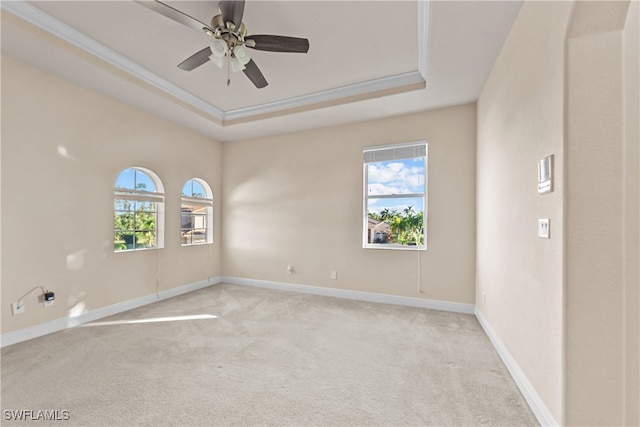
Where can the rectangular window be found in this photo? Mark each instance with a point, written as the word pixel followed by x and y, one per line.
pixel 395 196
pixel 135 224
pixel 196 224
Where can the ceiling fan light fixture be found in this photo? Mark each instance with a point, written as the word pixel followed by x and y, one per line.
pixel 242 54
pixel 218 60
pixel 236 65
pixel 219 48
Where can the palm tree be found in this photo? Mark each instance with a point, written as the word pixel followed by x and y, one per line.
pixel 398 227
pixel 374 215
pixel 386 214
pixel 413 226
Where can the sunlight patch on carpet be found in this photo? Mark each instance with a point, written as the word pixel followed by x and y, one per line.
pixel 153 320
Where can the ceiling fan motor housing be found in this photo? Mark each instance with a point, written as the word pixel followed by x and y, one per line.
pixel 228 32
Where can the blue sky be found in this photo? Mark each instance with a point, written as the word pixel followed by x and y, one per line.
pixel 130 178
pixel 396 177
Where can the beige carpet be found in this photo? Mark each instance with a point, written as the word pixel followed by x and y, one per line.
pixel 268 358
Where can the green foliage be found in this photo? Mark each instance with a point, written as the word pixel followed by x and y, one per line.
pixel 134 225
pixel 406 226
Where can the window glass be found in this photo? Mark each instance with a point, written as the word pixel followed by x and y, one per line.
pixel 193 189
pixel 196 213
pixel 137 213
pixel 144 182
pixel 126 179
pixel 395 196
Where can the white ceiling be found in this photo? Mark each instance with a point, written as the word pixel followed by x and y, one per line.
pixel 367 59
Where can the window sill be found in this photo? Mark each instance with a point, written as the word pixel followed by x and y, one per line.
pixel 395 247
pixel 195 244
pixel 136 250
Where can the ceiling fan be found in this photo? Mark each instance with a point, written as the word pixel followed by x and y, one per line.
pixel 229 39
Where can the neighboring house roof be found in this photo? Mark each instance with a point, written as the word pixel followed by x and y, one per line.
pixel 378 225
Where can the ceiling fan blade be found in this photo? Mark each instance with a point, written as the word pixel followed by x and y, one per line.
pixel 175 14
pixel 195 60
pixel 273 43
pixel 232 10
pixel 255 75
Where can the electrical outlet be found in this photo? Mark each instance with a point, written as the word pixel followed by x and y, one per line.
pixel 289 269
pixel 17 308
pixel 543 228
pixel 334 275
pixel 48 299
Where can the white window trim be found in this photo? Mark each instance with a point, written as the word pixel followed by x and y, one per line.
pixel 366 197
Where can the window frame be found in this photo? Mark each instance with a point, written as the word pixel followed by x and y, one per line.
pixel 133 195
pixel 366 197
pixel 205 202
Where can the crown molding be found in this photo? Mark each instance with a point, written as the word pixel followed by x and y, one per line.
pixel 423 38
pixel 413 80
pixel 46 22
pixel 328 96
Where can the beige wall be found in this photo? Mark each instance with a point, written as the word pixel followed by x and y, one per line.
pixel 631 233
pixel 566 83
pixel 57 209
pixel 519 286
pixel 602 212
pixel 297 199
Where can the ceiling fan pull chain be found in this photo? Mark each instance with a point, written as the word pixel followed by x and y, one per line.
pixel 228 72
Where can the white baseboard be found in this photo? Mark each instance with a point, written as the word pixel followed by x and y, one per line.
pixel 99 313
pixel 528 391
pixel 455 307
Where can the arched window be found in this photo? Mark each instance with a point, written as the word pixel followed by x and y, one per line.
pixel 197 213
pixel 138 211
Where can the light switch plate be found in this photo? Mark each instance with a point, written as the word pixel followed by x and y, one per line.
pixel 545 175
pixel 543 228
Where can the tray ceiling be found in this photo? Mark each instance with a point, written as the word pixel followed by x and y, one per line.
pixel 367 59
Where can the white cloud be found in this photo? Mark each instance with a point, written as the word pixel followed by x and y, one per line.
pixel 377 189
pixel 386 172
pixel 395 178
